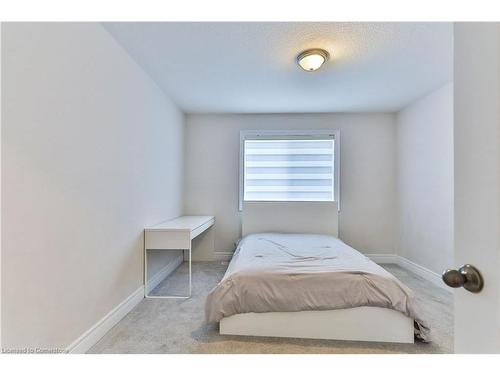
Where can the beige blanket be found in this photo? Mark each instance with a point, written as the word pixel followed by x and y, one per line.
pixel 274 272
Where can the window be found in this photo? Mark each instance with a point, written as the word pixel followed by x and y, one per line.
pixel 289 166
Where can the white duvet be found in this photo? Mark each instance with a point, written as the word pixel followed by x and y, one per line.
pixel 275 272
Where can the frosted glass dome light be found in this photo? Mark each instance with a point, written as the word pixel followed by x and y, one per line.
pixel 312 59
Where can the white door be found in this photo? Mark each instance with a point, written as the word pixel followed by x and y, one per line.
pixel 477 184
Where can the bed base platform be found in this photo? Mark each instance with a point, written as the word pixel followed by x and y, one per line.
pixel 355 324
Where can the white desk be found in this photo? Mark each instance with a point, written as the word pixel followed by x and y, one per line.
pixel 174 234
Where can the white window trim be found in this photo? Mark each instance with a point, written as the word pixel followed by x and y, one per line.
pixel 255 134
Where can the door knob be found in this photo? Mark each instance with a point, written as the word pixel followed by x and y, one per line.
pixel 467 276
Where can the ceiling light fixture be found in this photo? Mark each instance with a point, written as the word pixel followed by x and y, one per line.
pixel 312 59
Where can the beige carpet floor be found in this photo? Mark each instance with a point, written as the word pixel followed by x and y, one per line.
pixel 178 326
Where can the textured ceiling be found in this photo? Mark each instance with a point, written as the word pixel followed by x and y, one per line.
pixel 251 68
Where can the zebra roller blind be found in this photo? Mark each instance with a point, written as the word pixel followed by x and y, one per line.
pixel 291 169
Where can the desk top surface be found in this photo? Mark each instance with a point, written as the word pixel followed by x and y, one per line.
pixel 181 223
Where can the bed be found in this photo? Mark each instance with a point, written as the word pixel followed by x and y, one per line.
pixel 291 276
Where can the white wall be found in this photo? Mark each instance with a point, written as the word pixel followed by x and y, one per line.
pixel 425 180
pixel 367 172
pixel 91 153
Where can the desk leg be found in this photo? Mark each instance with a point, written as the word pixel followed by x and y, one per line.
pixel 190 272
pixel 145 273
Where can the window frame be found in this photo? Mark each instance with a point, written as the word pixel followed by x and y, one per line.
pixel 283 134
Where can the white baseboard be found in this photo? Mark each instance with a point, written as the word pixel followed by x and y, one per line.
pixel 162 274
pixel 223 255
pixel 98 330
pixel 421 271
pixel 426 273
pixel 383 258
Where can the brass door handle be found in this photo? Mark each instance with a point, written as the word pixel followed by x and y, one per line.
pixel 467 276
